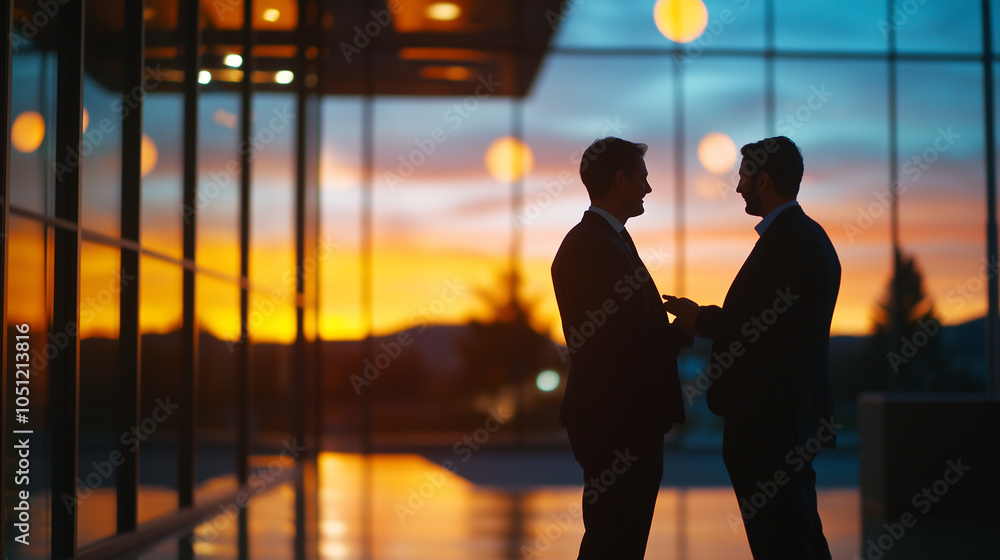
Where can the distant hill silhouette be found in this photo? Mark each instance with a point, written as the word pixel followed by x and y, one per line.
pixel 425 384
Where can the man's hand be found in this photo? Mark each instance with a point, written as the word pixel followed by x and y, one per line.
pixel 684 309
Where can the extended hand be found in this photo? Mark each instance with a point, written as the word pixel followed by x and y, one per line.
pixel 686 310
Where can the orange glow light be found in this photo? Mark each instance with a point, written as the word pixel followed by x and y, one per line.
pixel 149 155
pixel 681 21
pixel 508 159
pixel 28 131
pixel 717 152
pixel 452 73
pixel 443 11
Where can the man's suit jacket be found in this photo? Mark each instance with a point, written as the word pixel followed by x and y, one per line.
pixel 623 376
pixel 771 337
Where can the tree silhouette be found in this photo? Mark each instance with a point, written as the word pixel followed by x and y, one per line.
pixel 503 354
pixel 918 358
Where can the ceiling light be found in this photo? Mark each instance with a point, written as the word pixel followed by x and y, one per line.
pixel 443 11
pixel 284 77
pixel 271 15
pixel 204 77
pixel 233 60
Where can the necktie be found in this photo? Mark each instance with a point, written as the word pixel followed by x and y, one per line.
pixel 647 289
pixel 631 246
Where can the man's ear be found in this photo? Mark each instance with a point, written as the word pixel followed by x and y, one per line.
pixel 620 179
pixel 764 182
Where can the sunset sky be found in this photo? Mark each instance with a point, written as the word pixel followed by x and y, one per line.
pixel 442 231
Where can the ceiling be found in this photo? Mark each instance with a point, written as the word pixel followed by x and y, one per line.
pixel 377 47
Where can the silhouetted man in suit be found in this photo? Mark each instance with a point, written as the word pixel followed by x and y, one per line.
pixel 623 390
pixel 768 373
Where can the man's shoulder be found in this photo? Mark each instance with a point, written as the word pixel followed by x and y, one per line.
pixel 589 239
pixel 796 225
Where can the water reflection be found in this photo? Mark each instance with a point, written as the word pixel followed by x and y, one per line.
pixel 416 509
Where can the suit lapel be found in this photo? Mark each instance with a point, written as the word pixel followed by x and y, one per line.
pixel 648 288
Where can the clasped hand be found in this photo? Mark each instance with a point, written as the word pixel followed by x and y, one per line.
pixel 684 309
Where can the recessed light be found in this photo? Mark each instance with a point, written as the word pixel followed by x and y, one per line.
pixel 443 11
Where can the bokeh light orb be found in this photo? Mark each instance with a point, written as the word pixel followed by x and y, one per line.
pixel 443 11
pixel 508 159
pixel 681 21
pixel 149 155
pixel 717 152
pixel 27 132
pixel 547 381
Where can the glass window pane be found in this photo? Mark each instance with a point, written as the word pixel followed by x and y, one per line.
pixel 936 27
pixel 827 108
pixel 160 318
pixel 720 116
pixel 341 320
pixel 442 234
pixel 100 148
pixel 941 166
pixel 830 26
pixel 340 220
pixel 33 115
pixel 100 286
pixel 218 310
pixel 607 24
pixel 217 203
pixel 31 345
pixel 162 203
pixel 272 200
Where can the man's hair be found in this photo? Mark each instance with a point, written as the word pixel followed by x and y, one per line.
pixel 604 158
pixel 780 158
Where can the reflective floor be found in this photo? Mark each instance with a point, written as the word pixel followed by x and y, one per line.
pixel 418 509
pixel 525 505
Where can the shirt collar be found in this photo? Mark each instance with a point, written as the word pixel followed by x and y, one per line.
pixel 766 222
pixel 617 225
